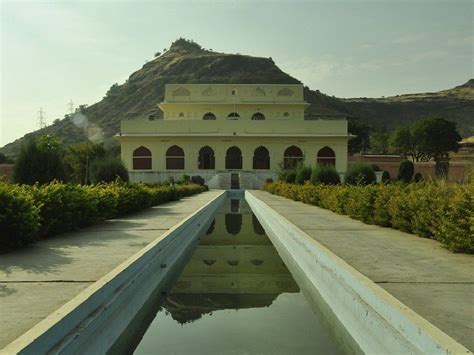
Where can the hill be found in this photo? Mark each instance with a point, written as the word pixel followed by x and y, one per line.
pixel 188 62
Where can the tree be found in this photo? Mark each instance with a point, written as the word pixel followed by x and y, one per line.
pixel 379 142
pixel 431 138
pixel 81 156
pixel 406 171
pixel 3 158
pixel 360 143
pixel 40 162
pixel 108 170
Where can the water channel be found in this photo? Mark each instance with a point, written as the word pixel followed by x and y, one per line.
pixel 234 296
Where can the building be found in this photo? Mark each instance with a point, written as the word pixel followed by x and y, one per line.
pixel 230 134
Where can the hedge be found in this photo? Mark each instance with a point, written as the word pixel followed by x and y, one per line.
pixel 29 213
pixel 434 209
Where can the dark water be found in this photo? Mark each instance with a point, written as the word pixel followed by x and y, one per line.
pixel 235 296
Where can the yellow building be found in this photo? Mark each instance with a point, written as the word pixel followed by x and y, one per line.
pixel 230 134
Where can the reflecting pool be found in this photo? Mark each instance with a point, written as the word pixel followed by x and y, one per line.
pixel 235 296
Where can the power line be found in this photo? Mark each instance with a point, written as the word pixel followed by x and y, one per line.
pixel 70 107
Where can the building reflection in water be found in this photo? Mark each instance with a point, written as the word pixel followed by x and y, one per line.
pixel 234 267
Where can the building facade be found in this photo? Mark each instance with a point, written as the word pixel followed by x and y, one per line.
pixel 230 135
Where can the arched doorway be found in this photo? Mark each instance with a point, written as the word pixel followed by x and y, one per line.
pixel 206 158
pixel 292 156
pixel 261 158
pixel 175 158
pixel 142 158
pixel 233 158
pixel 326 156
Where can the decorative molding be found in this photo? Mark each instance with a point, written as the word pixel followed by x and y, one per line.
pixel 285 92
pixel 181 91
pixel 259 92
pixel 209 92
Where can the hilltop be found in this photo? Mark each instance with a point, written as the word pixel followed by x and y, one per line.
pixel 188 62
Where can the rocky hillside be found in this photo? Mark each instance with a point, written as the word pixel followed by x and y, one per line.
pixel 187 62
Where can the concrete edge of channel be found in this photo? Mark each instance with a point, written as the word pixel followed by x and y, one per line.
pixel 376 321
pixel 87 323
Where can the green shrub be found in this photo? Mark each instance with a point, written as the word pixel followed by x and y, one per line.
pixel 290 177
pixel 386 176
pixel 303 173
pixel 108 170
pixel 406 171
pixel 360 174
pixel 19 216
pixel 439 210
pixel 197 179
pixel 418 177
pixel 30 212
pixel 324 174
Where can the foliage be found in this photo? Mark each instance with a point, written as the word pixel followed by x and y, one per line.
pixel 417 177
pixel 360 143
pixel 19 216
pixel 360 174
pixel 406 170
pixel 324 174
pixel 386 176
pixel 108 170
pixel 379 142
pixel 28 213
pixel 80 157
pixel 434 209
pixel 431 138
pixel 303 173
pixel 197 179
pixel 40 162
pixel 4 159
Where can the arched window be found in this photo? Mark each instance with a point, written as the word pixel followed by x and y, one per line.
pixel 209 116
pixel 261 158
pixel 233 158
pixel 326 156
pixel 141 159
pixel 258 116
pixel 175 158
pixel 181 114
pixel 292 156
pixel 206 158
pixel 233 116
pixel 286 114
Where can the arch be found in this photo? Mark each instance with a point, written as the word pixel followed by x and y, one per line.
pixel 292 156
pixel 206 159
pixel 261 158
pixel 142 158
pixel 175 158
pixel 233 158
pixel 286 114
pixel 181 114
pixel 326 156
pixel 209 116
pixel 233 116
pixel 258 116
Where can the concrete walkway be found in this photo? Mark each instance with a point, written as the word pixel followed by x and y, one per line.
pixel 37 280
pixel 434 282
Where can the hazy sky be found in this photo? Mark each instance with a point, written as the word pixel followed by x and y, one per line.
pixel 55 51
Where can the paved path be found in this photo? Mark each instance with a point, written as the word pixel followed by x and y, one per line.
pixel 37 280
pixel 434 282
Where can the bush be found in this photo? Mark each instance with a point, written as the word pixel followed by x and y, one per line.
pixel 360 174
pixel 386 176
pixel 324 174
pixel 406 171
pixel 108 170
pixel 303 173
pixel 28 213
pixel 435 209
pixel 19 216
pixel 197 179
pixel 39 162
pixel 418 177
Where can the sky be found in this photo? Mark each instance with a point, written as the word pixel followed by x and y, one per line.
pixel 53 52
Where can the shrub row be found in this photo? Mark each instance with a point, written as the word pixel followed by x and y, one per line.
pixel 29 213
pixel 437 210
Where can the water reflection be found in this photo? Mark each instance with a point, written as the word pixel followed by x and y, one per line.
pixel 244 272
